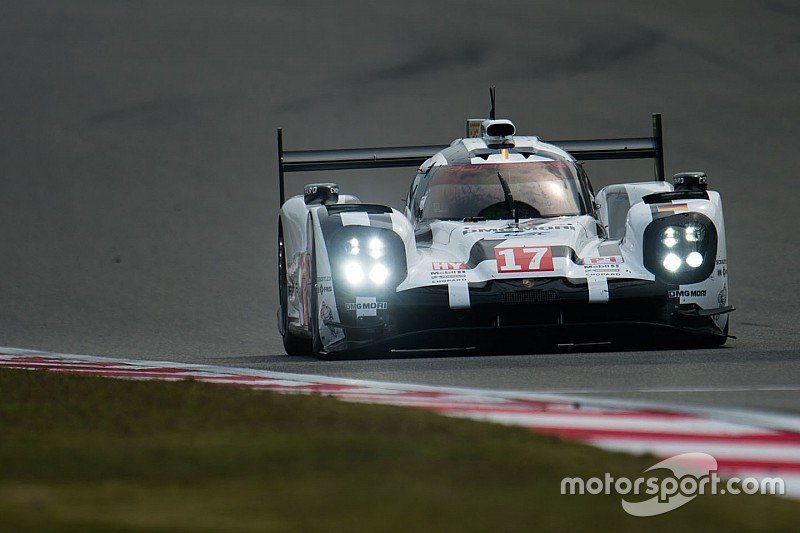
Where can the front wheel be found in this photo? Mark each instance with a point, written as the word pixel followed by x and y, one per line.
pixel 313 303
pixel 293 343
pixel 314 312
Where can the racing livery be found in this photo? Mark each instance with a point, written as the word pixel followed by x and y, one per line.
pixel 502 245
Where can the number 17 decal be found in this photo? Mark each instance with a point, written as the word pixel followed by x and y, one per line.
pixel 524 259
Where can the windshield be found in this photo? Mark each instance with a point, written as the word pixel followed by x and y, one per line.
pixel 540 189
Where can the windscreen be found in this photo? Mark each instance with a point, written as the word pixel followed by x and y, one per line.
pixel 540 189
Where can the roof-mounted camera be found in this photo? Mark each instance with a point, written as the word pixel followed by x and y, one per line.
pixel 690 181
pixel 321 193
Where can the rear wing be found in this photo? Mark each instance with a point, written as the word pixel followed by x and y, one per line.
pixel 414 156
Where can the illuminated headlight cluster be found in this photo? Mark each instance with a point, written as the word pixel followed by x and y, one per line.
pixel 681 249
pixel 357 251
pixel 375 247
pixel 354 273
pixel 685 239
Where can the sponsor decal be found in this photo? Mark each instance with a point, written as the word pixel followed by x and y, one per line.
pixel 568 227
pixel 504 231
pixel 474 127
pixel 523 233
pixel 448 265
pixel 448 276
pixel 607 260
pixel 664 208
pixel 700 293
pixel 325 284
pixel 601 268
pixel 517 259
pixel 326 319
pixel 366 306
pixel 605 270
pixel 448 272
pixel 312 189
pixel 526 229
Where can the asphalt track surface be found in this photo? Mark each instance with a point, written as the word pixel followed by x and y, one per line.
pixel 138 192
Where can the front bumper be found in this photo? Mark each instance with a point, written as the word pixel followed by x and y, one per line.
pixel 554 309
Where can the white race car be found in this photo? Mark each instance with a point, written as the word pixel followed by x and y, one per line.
pixel 503 246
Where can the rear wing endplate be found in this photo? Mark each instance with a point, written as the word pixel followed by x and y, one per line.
pixel 414 156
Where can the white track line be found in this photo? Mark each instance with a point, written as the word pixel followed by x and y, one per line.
pixel 669 390
pixel 738 438
pixel 765 419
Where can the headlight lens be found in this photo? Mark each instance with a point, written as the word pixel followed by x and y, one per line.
pixel 681 248
pixel 669 237
pixel 366 259
pixel 672 262
pixel 378 274
pixel 376 248
pixel 694 232
pixel 352 247
pixel 354 273
pixel 694 259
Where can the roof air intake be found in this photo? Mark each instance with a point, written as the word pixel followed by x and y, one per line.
pixel 498 131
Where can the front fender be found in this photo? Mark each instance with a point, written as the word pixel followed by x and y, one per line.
pixel 708 294
pixel 348 279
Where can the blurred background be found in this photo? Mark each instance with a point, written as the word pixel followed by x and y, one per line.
pixel 138 175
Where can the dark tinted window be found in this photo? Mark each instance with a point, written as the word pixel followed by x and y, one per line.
pixel 540 189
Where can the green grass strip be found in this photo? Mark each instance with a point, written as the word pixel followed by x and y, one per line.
pixel 80 453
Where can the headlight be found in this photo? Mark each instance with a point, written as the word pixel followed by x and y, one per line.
pixel 352 247
pixel 378 274
pixel 376 248
pixel 354 273
pixel 681 249
pixel 694 259
pixel 669 237
pixel 694 232
pixel 366 260
pixel 672 262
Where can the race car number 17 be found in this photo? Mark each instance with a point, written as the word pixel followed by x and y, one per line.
pixel 524 259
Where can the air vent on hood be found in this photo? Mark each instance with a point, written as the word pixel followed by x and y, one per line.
pixel 530 297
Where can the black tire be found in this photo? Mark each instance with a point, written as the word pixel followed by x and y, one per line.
pixel 313 305
pixel 293 343
pixel 313 314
